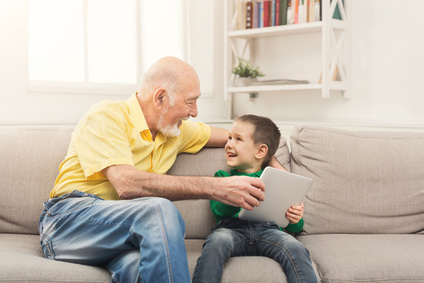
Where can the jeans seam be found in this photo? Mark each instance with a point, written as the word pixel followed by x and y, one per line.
pixel 290 256
pixel 165 241
pixel 48 244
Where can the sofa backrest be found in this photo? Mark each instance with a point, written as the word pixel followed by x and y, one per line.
pixel 364 182
pixel 29 164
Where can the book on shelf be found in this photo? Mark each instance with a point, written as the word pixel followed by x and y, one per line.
pixel 290 19
pixel 277 13
pixel 282 12
pixel 279 82
pixel 249 15
pixel 268 13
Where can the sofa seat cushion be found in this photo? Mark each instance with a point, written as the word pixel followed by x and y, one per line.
pixel 22 260
pixel 240 269
pixel 367 258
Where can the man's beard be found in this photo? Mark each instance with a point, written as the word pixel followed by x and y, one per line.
pixel 168 131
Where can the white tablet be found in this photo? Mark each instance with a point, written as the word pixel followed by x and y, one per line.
pixel 282 190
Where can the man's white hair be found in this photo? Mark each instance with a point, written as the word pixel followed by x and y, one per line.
pixel 169 73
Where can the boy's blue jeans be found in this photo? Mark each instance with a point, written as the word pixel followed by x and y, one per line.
pixel 236 237
pixel 140 240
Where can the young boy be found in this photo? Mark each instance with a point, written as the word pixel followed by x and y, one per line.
pixel 252 141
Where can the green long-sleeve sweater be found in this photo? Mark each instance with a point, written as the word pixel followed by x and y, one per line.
pixel 221 210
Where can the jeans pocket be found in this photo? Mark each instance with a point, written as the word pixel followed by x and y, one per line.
pixel 70 205
pixel 46 246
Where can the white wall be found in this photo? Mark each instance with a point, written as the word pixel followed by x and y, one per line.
pixel 387 86
pixel 387 78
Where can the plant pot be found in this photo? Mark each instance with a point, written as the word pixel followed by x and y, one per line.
pixel 244 81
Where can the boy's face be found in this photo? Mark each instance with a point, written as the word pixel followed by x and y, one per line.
pixel 240 148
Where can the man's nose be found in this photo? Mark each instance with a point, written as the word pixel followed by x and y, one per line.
pixel 193 111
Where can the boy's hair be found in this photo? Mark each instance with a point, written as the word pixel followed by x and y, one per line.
pixel 265 132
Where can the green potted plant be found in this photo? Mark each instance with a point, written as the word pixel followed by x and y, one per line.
pixel 245 72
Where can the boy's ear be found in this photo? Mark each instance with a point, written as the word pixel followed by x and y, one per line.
pixel 262 151
pixel 158 97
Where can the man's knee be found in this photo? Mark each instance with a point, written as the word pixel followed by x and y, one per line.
pixel 165 207
pixel 163 211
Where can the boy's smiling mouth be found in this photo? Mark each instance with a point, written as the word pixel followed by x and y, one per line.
pixel 231 155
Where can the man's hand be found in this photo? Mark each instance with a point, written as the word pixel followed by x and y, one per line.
pixel 240 191
pixel 295 213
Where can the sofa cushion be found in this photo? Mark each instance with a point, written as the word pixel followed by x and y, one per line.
pixel 240 269
pixel 367 258
pixel 364 182
pixel 22 260
pixel 29 164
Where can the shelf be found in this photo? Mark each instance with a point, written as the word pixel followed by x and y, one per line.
pixel 264 88
pixel 333 51
pixel 284 30
pixel 278 30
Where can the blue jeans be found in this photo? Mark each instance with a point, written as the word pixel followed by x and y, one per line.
pixel 236 237
pixel 140 240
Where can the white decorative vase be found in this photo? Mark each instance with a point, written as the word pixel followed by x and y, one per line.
pixel 243 81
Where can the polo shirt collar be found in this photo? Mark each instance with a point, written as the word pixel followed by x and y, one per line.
pixel 138 117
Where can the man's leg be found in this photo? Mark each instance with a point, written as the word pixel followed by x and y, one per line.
pixel 124 267
pixel 286 250
pixel 88 230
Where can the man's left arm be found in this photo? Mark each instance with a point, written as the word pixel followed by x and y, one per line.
pixel 276 164
pixel 218 137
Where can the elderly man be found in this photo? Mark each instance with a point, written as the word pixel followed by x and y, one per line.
pixel 109 205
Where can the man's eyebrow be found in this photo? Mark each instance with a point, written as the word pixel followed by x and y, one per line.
pixel 194 98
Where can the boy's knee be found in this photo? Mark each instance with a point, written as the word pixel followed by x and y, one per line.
pixel 221 237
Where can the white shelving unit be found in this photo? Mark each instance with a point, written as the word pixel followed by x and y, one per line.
pixel 334 50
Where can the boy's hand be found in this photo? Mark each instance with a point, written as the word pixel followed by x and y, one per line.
pixel 295 213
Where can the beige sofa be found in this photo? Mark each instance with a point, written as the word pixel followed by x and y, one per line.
pixel 364 215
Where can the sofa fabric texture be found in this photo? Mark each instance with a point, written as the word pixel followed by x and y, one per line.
pixel 364 182
pixel 364 214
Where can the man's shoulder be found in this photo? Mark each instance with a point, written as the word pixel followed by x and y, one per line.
pixel 107 109
pixel 109 106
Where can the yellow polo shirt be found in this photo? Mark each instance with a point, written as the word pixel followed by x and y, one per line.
pixel 113 133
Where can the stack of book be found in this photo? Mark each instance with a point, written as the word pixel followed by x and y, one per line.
pixel 267 13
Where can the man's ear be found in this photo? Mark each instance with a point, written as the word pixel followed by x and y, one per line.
pixel 158 97
pixel 261 151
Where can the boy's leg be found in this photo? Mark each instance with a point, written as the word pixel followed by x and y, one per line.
pixel 222 243
pixel 286 250
pixel 84 229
